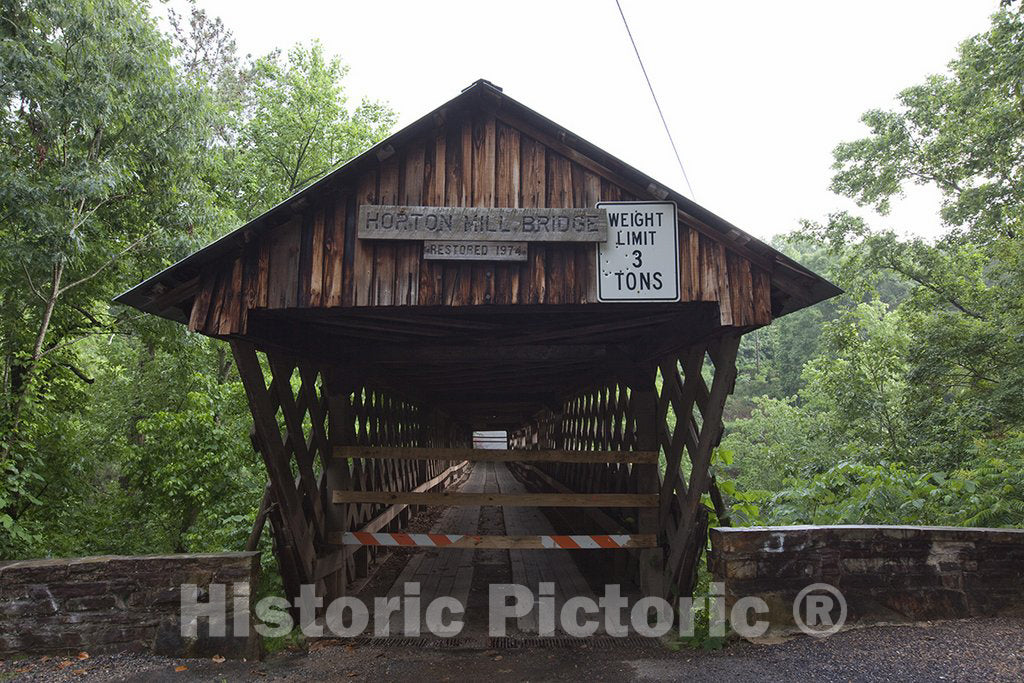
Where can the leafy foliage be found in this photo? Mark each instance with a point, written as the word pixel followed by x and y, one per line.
pixel 296 126
pixel 911 409
pixel 121 150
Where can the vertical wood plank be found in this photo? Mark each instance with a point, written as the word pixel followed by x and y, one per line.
pixel 506 194
pixel 263 275
pixel 586 255
pixel 576 254
pixel 250 283
pixel 305 270
pixel 431 287
pixel 725 302
pixel 762 296
pixel 484 160
pixel 316 255
pixel 746 289
pixel 693 255
pixel 385 252
pixel 201 304
pixel 212 323
pixel 458 190
pixel 484 178
pixel 533 287
pixel 559 195
pixel 233 300
pixel 407 265
pixel 685 294
pixel 348 290
pixel 334 252
pixel 363 257
pixel 283 283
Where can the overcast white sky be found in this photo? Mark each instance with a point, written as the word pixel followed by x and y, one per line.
pixel 757 94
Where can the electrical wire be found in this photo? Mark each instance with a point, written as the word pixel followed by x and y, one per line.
pixel 655 98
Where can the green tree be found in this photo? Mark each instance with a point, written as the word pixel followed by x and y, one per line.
pixel 959 132
pixel 122 151
pixel 912 409
pixel 101 141
pixel 296 126
pixel 962 133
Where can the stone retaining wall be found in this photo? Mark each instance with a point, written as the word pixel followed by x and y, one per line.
pixel 887 574
pixel 115 603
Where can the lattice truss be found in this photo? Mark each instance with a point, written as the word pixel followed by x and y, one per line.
pixel 670 408
pixel 301 414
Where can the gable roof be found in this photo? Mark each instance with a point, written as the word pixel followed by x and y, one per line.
pixel 793 285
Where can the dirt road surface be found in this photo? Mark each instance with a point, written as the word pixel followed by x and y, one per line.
pixel 967 650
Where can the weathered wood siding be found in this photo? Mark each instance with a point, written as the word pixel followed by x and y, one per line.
pixel 314 260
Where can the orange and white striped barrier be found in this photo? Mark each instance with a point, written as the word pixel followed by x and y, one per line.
pixel 573 542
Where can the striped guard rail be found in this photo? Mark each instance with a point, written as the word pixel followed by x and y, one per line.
pixel 573 542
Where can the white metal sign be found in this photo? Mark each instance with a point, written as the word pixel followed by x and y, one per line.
pixel 640 259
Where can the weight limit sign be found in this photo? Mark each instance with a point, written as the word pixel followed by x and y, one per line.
pixel 640 260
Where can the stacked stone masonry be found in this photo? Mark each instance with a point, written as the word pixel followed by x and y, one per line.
pixel 113 603
pixel 887 574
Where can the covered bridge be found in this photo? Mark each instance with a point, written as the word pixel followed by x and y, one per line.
pixel 375 332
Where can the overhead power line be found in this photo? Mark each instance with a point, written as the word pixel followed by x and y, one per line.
pixel 655 98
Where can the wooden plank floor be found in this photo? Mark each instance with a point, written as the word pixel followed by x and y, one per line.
pixel 447 572
pixel 444 572
pixel 532 567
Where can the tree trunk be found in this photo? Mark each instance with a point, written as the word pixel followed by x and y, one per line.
pixel 21 391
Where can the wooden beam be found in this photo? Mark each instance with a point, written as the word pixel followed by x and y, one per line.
pixel 174 296
pixel 496 455
pixel 333 562
pixel 532 353
pixel 597 516
pixel 382 520
pixel 599 500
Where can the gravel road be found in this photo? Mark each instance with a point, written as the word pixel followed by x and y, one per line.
pixel 966 650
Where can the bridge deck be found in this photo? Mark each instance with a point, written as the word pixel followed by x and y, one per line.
pixel 466 574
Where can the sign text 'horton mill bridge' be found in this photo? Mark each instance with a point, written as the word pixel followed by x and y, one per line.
pixel 484 268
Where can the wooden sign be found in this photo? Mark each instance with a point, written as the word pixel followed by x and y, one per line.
pixel 487 224
pixel 469 250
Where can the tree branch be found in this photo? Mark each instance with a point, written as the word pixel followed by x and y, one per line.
pixel 31 285
pixel 70 342
pixel 952 300
pixel 112 261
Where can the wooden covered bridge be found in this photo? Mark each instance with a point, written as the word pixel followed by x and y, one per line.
pixel 485 269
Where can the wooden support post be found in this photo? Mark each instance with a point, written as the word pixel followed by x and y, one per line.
pixel 293 524
pixel 651 560
pixel 337 471
pixel 683 546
